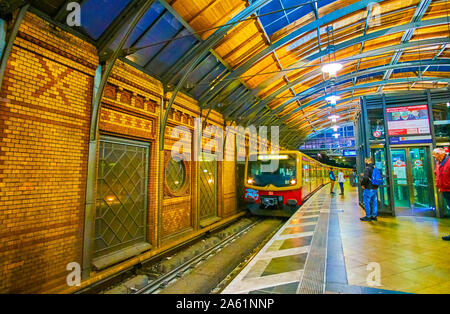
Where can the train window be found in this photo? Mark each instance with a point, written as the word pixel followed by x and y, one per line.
pixel 261 174
pixel 175 175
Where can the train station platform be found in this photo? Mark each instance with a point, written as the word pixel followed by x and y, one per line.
pixel 325 248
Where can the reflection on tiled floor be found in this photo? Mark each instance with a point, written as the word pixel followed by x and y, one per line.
pixel 409 251
pixel 412 256
pixel 279 266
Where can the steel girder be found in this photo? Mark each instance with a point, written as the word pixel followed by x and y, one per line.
pixel 10 41
pixel 352 75
pixel 201 50
pixel 284 40
pixel 110 34
pixel 346 77
pixel 434 58
pixel 359 40
pixel 374 52
pixel 93 142
pixel 378 83
pixel 418 14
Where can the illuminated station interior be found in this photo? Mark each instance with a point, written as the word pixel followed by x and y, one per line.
pixel 224 147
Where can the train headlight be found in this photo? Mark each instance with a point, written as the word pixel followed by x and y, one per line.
pixel 293 182
pixel 250 181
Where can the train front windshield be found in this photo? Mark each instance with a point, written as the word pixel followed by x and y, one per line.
pixel 261 173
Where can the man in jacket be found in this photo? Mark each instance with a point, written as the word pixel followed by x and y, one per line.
pixel 443 176
pixel 332 180
pixel 370 192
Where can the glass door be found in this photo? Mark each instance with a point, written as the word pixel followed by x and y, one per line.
pixel 402 202
pixel 411 177
pixel 422 190
pixel 383 190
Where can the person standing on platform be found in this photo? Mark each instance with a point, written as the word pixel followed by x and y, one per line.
pixel 332 180
pixel 443 176
pixel 369 183
pixel 341 181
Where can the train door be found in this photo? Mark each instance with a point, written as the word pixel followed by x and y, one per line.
pixel 412 181
pixel 207 190
pixel 240 186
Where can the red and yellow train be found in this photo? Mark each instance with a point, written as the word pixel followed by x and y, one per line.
pixel 276 185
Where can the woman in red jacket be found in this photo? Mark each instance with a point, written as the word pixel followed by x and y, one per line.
pixel 443 176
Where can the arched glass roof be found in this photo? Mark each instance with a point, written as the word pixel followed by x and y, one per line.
pixel 266 70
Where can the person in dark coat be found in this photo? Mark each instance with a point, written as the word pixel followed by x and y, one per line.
pixel 370 192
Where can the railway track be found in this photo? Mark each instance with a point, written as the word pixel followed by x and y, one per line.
pixel 166 279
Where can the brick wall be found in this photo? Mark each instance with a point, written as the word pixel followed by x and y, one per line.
pixel 44 132
pixel 44 129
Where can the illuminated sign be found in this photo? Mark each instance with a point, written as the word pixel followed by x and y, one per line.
pixel 272 157
pixel 348 153
pixel 424 139
pixel 409 120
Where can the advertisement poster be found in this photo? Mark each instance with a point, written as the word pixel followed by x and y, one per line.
pixel 408 120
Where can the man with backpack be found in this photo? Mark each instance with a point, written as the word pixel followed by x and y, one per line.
pixel 370 182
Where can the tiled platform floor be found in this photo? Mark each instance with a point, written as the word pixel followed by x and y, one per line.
pixel 325 248
pixel 411 254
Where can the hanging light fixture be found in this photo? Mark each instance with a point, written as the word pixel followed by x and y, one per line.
pixel 333 99
pixel 333 118
pixel 332 68
pixel 335 128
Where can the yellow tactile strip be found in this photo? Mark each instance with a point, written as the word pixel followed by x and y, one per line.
pixel 279 266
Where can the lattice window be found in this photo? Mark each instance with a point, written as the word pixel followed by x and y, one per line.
pixel 175 175
pixel 208 189
pixel 121 195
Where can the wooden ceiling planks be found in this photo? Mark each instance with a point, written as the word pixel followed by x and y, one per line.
pixel 246 40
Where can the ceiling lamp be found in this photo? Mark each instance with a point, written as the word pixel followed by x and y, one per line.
pixel 332 99
pixel 336 135
pixel 332 68
pixel 335 128
pixel 333 118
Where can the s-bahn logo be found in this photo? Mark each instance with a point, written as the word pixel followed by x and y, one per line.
pixel 250 193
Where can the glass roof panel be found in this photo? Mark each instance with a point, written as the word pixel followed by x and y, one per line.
pixel 155 11
pixel 157 36
pixel 205 67
pixel 172 52
pixel 202 86
pixel 97 15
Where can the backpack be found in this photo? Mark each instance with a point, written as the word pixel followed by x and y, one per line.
pixel 376 179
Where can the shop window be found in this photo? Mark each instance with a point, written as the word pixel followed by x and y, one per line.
pixel 441 117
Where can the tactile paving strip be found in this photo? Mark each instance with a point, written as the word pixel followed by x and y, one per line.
pixel 313 279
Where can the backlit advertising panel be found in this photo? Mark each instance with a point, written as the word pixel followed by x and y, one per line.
pixel 409 120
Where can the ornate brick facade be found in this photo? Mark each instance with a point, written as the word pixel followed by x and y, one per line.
pixel 45 113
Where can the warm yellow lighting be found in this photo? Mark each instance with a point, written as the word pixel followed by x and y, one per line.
pixel 332 68
pixel 272 157
pixel 333 99
pixel 250 181
pixel 293 182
